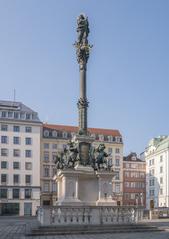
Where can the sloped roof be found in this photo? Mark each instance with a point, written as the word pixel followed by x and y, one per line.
pixel 111 132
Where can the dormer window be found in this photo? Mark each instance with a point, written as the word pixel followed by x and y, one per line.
pixel 64 134
pixel 110 138
pixel 28 116
pixel 46 133
pixel 4 114
pixel 10 114
pixel 22 115
pixel 16 115
pixel 133 158
pixel 101 137
pixel 54 133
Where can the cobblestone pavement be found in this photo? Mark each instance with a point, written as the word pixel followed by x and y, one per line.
pixel 15 228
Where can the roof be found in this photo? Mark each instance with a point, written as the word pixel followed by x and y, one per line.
pixel 17 107
pixel 132 157
pixel 110 132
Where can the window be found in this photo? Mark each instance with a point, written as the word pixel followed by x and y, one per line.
pixel 3 164
pixel 4 139
pixel 28 179
pixel 110 150
pixel 64 146
pixel 46 187
pixel 151 182
pixel 151 192
pixel 4 152
pixel 15 193
pixel 161 158
pixel 161 180
pixel 117 176
pixel 117 187
pixel 110 138
pixel 28 193
pixel 16 128
pixel 53 171
pixel 4 127
pixel 16 140
pixel 64 135
pixel 28 141
pixel 16 115
pixel 46 156
pixel 54 146
pixel 22 116
pixel 117 162
pixel 16 153
pixel 54 188
pixel 46 146
pixel 46 133
pixel 16 178
pixel 127 174
pixel 132 196
pixel 3 193
pixel 16 165
pixel 127 184
pixel 54 156
pixel 101 137
pixel 28 129
pixel 4 114
pixel 54 134
pixel 46 172
pixel 10 114
pixel 161 169
pixel 28 166
pixel 161 191
pixel 28 153
pixel 117 150
pixel 28 116
pixel 3 178
pixel 152 161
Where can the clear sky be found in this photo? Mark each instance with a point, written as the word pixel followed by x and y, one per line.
pixel 128 69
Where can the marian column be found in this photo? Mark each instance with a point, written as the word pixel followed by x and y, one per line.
pixel 82 52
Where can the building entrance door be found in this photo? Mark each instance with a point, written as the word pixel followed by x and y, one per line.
pixel 27 209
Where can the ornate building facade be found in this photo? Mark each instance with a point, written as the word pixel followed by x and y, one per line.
pixel 19 159
pixel 54 138
pixel 134 180
pixel 157 163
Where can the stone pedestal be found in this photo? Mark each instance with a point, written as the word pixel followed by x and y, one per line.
pixel 84 186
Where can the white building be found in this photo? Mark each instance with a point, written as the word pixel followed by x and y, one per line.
pixel 19 159
pixel 157 171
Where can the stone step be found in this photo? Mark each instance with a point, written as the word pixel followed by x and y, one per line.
pixel 58 230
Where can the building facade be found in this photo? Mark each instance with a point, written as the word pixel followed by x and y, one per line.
pixel 134 180
pixel 157 164
pixel 20 130
pixel 56 137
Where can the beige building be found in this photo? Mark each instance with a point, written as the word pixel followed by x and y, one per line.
pixel 19 159
pixel 55 137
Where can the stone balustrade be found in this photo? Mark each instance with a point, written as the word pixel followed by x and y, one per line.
pixel 89 215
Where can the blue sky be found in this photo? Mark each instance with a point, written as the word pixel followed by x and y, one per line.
pixel 128 69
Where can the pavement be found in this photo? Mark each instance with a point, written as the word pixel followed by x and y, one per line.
pixel 16 227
